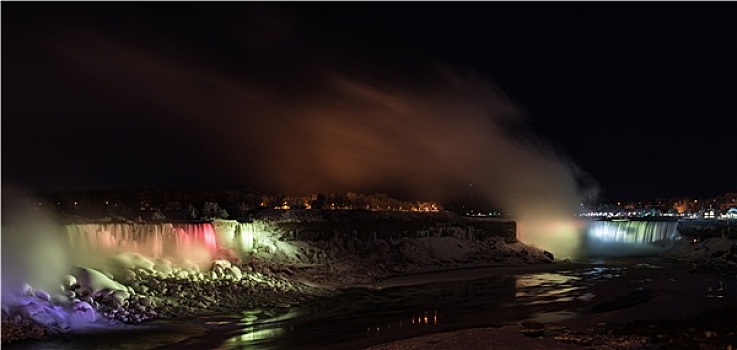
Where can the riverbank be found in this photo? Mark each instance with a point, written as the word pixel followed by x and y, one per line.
pixel 688 300
pixel 285 272
pixel 130 288
pixel 600 299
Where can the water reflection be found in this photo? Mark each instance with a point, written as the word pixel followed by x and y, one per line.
pixel 253 337
pixel 543 288
pixel 418 319
pixel 359 317
pixel 426 319
pixel 261 327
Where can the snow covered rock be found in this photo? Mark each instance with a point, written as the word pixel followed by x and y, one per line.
pixel 84 311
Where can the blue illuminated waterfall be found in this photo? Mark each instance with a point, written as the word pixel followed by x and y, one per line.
pixel 615 238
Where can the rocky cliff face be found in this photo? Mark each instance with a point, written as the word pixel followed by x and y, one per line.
pixel 356 247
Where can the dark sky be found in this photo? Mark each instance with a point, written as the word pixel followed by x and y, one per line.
pixel 635 97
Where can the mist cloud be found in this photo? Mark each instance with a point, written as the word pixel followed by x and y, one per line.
pixel 345 130
pixel 314 127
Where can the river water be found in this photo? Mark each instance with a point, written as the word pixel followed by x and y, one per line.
pixel 395 309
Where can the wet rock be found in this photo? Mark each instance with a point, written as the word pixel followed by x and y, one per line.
pixel 549 255
pixel 580 339
pixel 531 328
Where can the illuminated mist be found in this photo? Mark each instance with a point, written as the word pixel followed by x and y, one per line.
pixel 455 131
pixel 32 251
pixel 428 135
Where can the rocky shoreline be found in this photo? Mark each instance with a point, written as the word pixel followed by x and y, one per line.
pixel 133 289
pixel 690 305
pixel 712 329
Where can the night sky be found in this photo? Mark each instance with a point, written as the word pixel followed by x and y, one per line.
pixel 637 97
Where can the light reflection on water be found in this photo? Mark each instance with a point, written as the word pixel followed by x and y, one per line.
pixel 418 319
pixel 252 337
pixel 360 318
pixel 260 326
pixel 542 288
pixel 563 286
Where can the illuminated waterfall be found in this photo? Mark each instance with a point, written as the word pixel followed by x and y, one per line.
pixel 202 242
pixel 38 252
pixel 659 233
pixel 236 236
pixel 630 237
pixel 194 242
